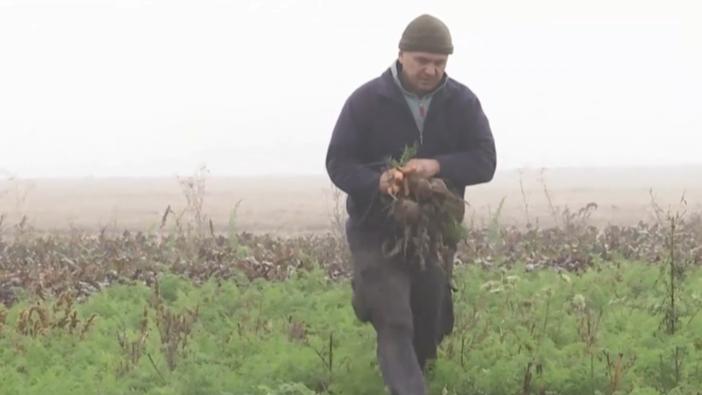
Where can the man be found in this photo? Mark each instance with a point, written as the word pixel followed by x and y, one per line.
pixel 413 101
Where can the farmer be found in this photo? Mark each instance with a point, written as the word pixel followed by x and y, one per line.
pixel 413 101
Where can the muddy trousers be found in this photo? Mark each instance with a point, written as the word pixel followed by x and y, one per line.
pixel 411 310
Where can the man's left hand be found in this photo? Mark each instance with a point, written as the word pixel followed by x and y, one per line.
pixel 423 167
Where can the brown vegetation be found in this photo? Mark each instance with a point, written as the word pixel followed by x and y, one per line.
pixel 187 243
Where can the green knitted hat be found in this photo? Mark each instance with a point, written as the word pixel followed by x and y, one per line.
pixel 427 34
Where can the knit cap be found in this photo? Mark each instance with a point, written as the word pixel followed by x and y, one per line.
pixel 427 34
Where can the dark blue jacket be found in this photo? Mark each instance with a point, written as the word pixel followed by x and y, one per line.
pixel 376 123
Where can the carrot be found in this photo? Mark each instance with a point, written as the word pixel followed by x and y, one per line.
pixel 397 175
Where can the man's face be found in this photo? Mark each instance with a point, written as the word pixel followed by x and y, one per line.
pixel 422 71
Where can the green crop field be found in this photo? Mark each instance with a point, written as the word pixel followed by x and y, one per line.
pixel 540 332
pixel 572 309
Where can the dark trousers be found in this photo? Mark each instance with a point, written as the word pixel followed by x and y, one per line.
pixel 411 310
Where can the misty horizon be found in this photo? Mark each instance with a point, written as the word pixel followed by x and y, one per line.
pixel 144 89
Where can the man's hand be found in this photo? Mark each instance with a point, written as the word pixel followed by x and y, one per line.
pixel 391 180
pixel 423 167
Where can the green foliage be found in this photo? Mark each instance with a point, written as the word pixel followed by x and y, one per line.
pixel 517 332
pixel 407 154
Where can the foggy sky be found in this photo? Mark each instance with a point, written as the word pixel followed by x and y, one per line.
pixel 133 88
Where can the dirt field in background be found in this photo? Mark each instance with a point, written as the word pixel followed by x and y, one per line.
pixel 305 204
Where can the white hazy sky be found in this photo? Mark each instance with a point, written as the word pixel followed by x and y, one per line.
pixel 133 88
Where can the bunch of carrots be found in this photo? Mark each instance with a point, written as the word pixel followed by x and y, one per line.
pixel 398 181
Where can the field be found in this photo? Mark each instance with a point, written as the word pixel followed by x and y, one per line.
pixel 556 295
pixel 300 205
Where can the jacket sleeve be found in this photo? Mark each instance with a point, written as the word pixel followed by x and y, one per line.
pixel 476 160
pixel 344 154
